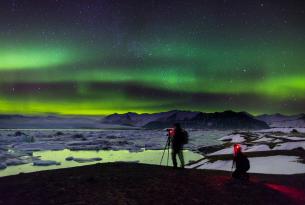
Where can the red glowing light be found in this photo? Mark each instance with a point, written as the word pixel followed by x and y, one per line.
pixel 237 148
pixel 171 132
pixel 291 192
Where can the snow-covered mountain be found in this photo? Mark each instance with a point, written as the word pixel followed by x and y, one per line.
pixel 279 120
pixel 217 120
pixel 140 120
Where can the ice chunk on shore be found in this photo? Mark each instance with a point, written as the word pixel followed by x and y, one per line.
pixel 237 138
pixel 290 146
pixel 45 163
pixel 258 148
pixel 264 139
pixel 294 138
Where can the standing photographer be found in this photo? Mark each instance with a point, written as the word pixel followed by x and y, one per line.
pixel 180 137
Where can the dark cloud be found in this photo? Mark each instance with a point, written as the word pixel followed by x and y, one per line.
pixel 161 98
pixel 167 99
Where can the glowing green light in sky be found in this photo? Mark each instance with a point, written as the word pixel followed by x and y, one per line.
pixel 33 57
pixel 189 57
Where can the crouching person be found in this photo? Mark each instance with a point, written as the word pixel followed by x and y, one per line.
pixel 241 163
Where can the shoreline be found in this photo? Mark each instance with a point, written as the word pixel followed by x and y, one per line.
pixel 128 183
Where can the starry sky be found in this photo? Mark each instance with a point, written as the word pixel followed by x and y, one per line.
pixel 85 57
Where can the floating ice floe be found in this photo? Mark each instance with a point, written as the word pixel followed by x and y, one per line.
pixel 83 160
pixel 2 166
pixel 233 138
pixel 38 146
pixel 279 164
pixel 84 147
pixel 45 163
pixel 290 146
pixel 12 162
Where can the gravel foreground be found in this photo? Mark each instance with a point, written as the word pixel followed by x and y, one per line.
pixel 131 183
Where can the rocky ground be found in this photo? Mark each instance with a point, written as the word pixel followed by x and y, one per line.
pixel 128 183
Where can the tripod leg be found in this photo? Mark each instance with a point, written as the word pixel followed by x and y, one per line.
pixel 167 155
pixel 162 156
pixel 164 150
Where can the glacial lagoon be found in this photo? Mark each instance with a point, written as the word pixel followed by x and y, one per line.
pixel 60 156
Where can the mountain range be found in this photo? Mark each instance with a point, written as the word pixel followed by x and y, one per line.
pixel 188 119
pixel 279 120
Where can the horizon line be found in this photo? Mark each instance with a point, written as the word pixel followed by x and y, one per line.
pixel 154 112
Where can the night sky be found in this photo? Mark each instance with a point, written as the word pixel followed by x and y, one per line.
pixel 88 57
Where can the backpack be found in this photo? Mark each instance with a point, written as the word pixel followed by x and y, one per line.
pixel 185 137
pixel 245 163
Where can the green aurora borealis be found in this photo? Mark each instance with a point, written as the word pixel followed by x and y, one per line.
pixel 100 57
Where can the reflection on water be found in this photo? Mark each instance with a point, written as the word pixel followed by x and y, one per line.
pixel 147 157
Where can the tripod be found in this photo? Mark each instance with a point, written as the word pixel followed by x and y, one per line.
pixel 166 147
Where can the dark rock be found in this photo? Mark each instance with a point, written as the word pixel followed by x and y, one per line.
pixel 59 133
pixel 19 133
pixel 69 158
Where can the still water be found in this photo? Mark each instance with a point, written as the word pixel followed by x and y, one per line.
pixel 146 156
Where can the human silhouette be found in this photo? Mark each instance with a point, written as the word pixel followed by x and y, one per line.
pixel 177 141
pixel 241 163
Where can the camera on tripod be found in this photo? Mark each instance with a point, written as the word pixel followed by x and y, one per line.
pixel 170 132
